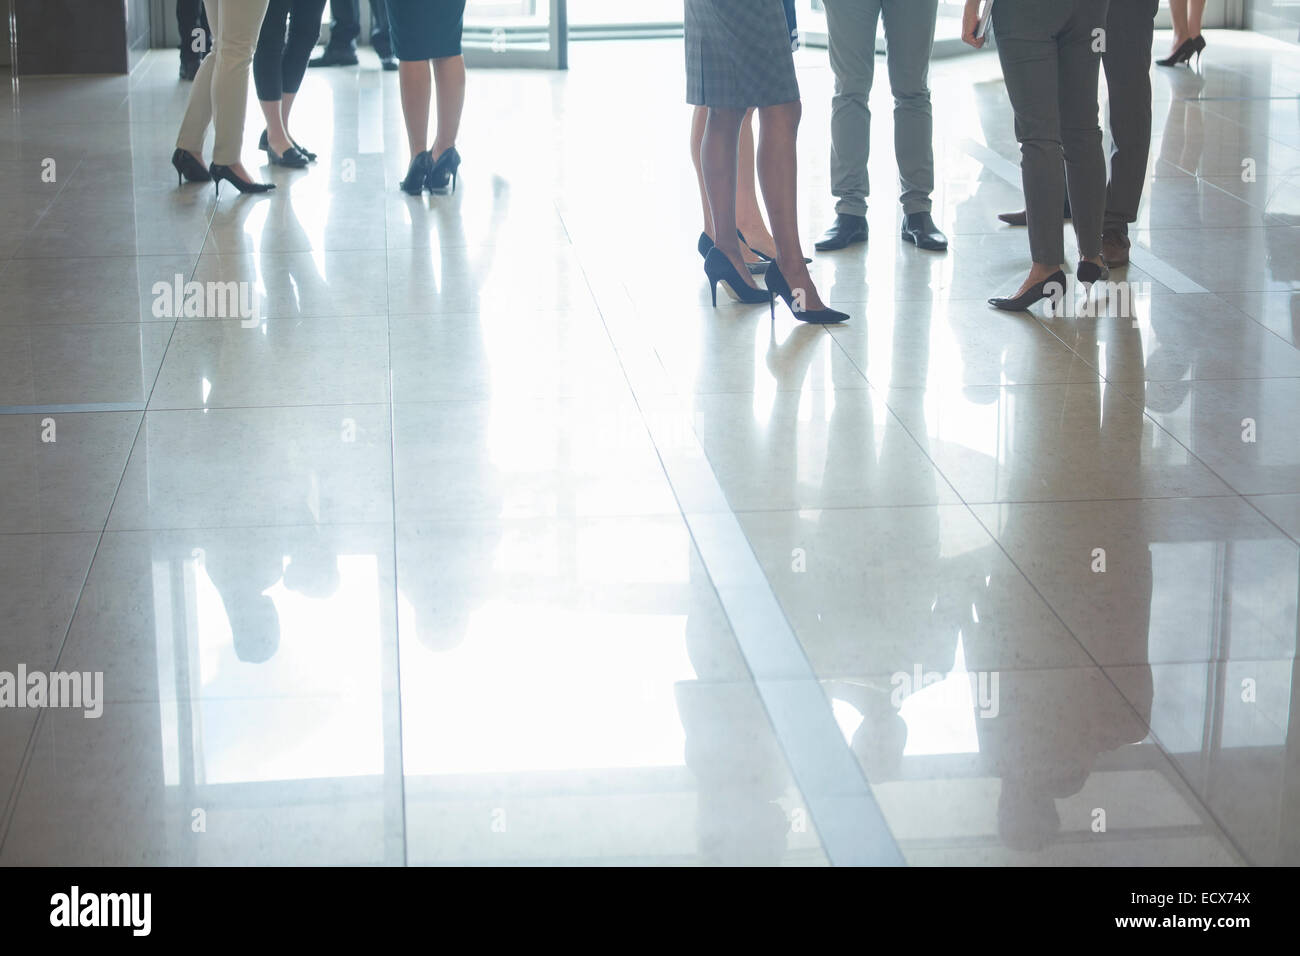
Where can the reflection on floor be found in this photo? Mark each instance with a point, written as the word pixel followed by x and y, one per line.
pixel 479 537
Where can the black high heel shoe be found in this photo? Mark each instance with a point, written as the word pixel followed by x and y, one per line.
pixel 777 284
pixel 703 245
pixel 719 269
pixel 187 167
pixel 417 174
pixel 1182 54
pixel 1037 291
pixel 1090 272
pixel 220 172
pixel 444 169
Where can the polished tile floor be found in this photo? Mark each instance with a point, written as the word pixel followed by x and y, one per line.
pixel 484 539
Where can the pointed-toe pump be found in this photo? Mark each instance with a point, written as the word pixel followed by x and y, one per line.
pixel 703 245
pixel 220 172
pixel 762 255
pixel 780 288
pixel 444 169
pixel 1053 287
pixel 719 269
pixel 187 167
pixel 417 174
pixel 1181 55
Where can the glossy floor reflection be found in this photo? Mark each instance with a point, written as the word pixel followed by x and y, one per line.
pixel 480 538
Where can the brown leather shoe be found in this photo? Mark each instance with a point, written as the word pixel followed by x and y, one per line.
pixel 1114 248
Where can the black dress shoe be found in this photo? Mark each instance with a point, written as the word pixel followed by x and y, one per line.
pixel 389 62
pixel 846 231
pixel 1021 219
pixel 920 230
pixel 335 58
pixel 189 68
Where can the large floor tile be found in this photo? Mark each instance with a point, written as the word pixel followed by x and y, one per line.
pixel 80 364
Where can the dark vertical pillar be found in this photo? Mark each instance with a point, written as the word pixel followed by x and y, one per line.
pixel 79 36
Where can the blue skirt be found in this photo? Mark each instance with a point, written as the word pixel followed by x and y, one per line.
pixel 425 29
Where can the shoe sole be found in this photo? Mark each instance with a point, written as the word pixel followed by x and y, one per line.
pixel 837 246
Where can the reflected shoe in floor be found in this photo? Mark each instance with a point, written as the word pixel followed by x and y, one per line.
pixel 845 231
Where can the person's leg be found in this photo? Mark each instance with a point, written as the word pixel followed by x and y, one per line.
pixel 1028 52
pixel 187 22
pixel 718 159
pixel 345 25
pixel 304 31
pixel 909 38
pixel 1195 13
pixel 198 112
pixel 268 71
pixel 700 116
pixel 1130 26
pixel 1178 13
pixel 749 216
pixel 778 172
pixel 851 28
pixel 449 81
pixel 379 38
pixel 237 33
pixel 1085 161
pixel 416 83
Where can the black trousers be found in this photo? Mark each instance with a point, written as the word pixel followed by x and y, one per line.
pixel 290 30
pixel 345 26
pixel 190 16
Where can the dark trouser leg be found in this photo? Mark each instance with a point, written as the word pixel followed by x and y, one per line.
pixel 345 25
pixel 190 16
pixel 379 29
pixel 1085 162
pixel 304 31
pixel 1127 62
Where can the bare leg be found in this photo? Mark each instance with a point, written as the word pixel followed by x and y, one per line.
pixel 718 156
pixel 416 85
pixel 699 116
pixel 778 174
pixel 749 217
pixel 1178 12
pixel 286 104
pixel 1195 11
pixel 449 79
pixel 276 135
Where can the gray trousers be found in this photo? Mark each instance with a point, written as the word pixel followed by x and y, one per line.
pixel 1051 61
pixel 909 35
pixel 1127 62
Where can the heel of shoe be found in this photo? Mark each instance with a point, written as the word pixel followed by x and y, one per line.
pixel 713 290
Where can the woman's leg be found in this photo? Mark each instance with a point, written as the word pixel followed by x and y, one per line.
pixel 449 80
pixel 304 31
pixel 718 154
pixel 268 71
pixel 749 217
pixel 699 116
pixel 1178 13
pixel 416 85
pixel 778 173
pixel 1195 12
pixel 236 38
pixel 198 113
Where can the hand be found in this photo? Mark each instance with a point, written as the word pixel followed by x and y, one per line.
pixel 970 19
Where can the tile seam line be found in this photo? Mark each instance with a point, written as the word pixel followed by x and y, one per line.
pixel 863 788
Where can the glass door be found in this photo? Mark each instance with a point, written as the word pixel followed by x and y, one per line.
pixel 517 33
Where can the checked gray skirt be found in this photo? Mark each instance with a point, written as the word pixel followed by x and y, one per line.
pixel 738 54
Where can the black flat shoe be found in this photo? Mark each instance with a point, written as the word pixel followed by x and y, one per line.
pixel 187 167
pixel 265 146
pixel 290 158
pixel 444 168
pixel 334 58
pixel 417 174
pixel 220 172
pixel 779 287
pixel 846 231
pixel 719 269
pixel 920 230
pixel 1053 287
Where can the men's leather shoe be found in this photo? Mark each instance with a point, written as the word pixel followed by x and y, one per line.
pixel 846 231
pixel 1114 248
pixel 389 62
pixel 189 69
pixel 335 58
pixel 920 230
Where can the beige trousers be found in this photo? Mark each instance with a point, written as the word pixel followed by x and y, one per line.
pixel 220 94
